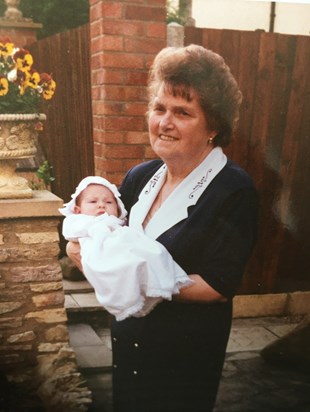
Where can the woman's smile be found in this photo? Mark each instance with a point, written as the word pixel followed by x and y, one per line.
pixel 167 138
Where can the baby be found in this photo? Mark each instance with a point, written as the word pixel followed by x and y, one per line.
pixel 129 272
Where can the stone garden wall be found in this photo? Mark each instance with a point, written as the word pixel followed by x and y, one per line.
pixel 35 350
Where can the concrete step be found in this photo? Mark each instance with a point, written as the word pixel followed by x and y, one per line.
pixel 72 286
pixel 80 297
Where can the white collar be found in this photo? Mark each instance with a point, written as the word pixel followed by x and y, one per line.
pixel 174 208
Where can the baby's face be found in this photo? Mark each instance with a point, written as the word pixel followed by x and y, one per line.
pixel 96 200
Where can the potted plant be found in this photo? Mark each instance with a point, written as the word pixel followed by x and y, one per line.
pixel 23 92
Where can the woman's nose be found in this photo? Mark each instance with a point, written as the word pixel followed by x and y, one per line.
pixel 166 121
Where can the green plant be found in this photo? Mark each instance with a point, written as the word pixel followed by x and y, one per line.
pixel 44 173
pixel 22 88
pixel 175 14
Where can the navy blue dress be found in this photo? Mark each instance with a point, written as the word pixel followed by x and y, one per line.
pixel 171 360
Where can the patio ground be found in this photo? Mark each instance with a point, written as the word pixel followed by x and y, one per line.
pixel 249 384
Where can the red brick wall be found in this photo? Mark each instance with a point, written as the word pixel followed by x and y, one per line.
pixel 125 37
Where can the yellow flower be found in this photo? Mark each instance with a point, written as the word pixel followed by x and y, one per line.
pixel 23 60
pixel 32 79
pixel 4 86
pixel 50 90
pixel 48 86
pixel 6 47
pixel 22 88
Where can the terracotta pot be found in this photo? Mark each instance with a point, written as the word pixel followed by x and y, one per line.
pixel 18 140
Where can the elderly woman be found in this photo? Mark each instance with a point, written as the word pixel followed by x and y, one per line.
pixel 202 207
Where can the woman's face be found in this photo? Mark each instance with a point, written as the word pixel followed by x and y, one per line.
pixel 178 129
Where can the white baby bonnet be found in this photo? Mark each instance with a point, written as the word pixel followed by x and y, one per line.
pixel 68 208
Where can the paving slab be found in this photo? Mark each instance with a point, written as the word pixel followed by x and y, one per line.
pixel 70 303
pixel 82 334
pixel 281 330
pixel 93 357
pixel 86 301
pixel 249 339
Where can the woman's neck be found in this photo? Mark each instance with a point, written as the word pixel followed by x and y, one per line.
pixel 178 170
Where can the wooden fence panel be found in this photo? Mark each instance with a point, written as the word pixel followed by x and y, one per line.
pixel 67 140
pixel 272 143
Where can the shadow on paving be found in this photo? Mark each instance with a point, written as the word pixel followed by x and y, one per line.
pixel 253 385
pixel 247 385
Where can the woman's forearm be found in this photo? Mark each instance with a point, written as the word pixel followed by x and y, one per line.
pixel 200 291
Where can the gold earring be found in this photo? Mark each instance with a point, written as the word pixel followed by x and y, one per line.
pixel 210 140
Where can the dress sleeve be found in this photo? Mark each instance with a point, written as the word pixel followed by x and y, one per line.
pixel 230 242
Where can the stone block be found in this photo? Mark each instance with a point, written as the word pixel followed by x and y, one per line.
pixel 22 337
pixel 47 273
pixel 11 323
pixel 51 347
pixel 48 316
pixel 43 203
pixel 259 305
pixel 7 307
pixel 17 348
pixel 38 237
pixel 57 333
pixel 299 303
pixel 49 299
pixel 24 253
pixel 46 287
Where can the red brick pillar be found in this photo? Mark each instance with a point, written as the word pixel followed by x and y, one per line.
pixel 125 37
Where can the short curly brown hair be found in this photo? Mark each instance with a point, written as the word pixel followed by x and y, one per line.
pixel 183 69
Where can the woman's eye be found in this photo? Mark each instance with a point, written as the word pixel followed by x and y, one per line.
pixel 158 109
pixel 183 113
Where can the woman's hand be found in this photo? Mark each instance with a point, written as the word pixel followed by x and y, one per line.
pixel 74 252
